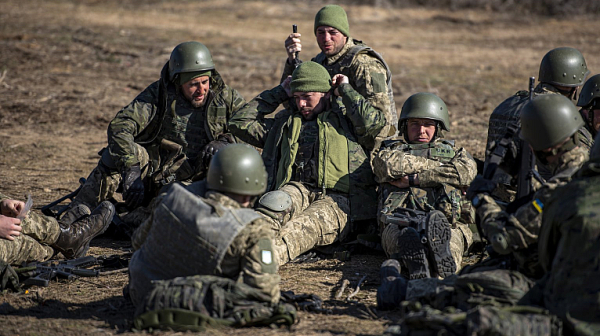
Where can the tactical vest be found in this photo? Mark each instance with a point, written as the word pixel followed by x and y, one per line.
pixel 343 64
pixel 185 125
pixel 187 237
pixel 444 198
pixel 305 165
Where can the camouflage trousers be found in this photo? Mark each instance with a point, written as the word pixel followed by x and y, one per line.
pixel 33 244
pixel 315 219
pixel 103 182
pixel 461 238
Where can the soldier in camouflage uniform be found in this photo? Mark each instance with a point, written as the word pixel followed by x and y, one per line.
pixel 562 71
pixel 485 299
pixel 423 171
pixel 341 54
pixel 38 238
pixel 589 101
pixel 569 248
pixel 550 124
pixel 208 229
pixel 316 155
pixel 167 133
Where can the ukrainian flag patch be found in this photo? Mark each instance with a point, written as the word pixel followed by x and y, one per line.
pixel 538 205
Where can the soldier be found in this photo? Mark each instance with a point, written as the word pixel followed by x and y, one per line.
pixel 209 229
pixel 368 73
pixel 550 125
pixel 423 171
pixel 316 157
pixel 589 101
pixel 568 234
pixel 569 247
pixel 562 71
pixel 38 238
pixel 167 133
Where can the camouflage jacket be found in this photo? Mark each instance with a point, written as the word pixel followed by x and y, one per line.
pixel 522 227
pixel 442 170
pixel 243 259
pixel 369 75
pixel 350 115
pixel 569 249
pixel 509 113
pixel 143 119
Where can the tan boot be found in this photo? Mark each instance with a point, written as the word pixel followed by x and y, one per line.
pixel 74 239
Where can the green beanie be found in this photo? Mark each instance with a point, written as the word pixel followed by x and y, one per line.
pixel 185 77
pixel 333 16
pixel 310 77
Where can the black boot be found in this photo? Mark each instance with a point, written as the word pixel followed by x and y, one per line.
pixel 393 286
pixel 74 239
pixel 74 214
pixel 438 241
pixel 412 253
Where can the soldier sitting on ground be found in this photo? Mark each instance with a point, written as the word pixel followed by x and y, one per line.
pixel 420 170
pixel 206 238
pixel 167 133
pixel 502 297
pixel 562 71
pixel 366 69
pixel 37 237
pixel 316 156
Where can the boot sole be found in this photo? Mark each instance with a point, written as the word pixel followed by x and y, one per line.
pixel 438 241
pixel 413 254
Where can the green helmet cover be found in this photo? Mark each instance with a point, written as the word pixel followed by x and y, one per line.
pixel 548 120
pixel 589 91
pixel 190 57
pixel 238 169
pixel 563 67
pixel 425 105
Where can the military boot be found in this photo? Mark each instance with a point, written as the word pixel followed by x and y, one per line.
pixel 74 239
pixel 412 253
pixel 392 290
pixel 74 214
pixel 438 243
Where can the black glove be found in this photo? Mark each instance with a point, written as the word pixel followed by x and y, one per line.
pixel 133 186
pixel 214 146
pixel 480 185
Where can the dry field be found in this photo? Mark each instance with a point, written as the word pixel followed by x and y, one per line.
pixel 66 68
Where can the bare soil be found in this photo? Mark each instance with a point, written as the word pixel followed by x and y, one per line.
pixel 67 66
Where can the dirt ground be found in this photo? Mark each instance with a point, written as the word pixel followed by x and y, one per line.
pixel 67 66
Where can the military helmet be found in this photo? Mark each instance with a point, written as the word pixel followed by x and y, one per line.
pixel 238 169
pixel 548 120
pixel 425 106
pixel 190 57
pixel 589 91
pixel 563 67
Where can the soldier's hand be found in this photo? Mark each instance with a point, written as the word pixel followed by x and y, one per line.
pixel 9 227
pixel 293 45
pixel 338 80
pixel 133 186
pixel 480 185
pixel 11 208
pixel 214 146
pixel 286 85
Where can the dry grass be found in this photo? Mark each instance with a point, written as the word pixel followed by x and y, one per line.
pixel 71 65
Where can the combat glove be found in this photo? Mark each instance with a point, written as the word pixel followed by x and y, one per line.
pixel 214 146
pixel 133 186
pixel 480 185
